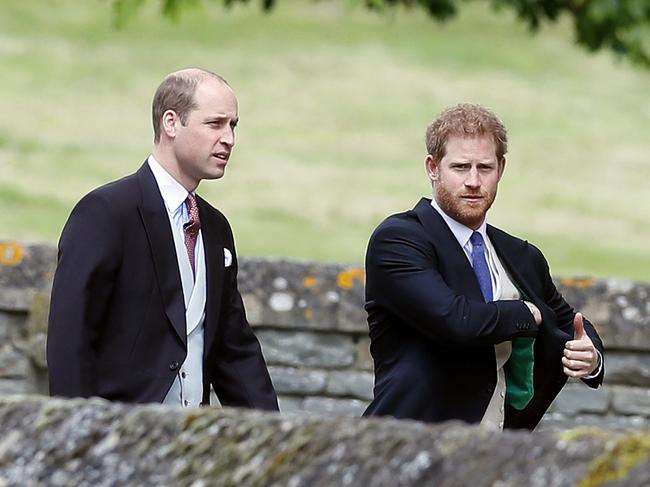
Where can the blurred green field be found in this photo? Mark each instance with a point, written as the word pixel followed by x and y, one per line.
pixel 334 101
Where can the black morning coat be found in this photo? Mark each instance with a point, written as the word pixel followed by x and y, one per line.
pixel 433 336
pixel 117 318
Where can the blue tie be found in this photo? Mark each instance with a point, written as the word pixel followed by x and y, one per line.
pixel 480 266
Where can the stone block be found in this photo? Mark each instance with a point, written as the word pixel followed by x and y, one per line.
pixel 299 382
pixel 34 340
pixel 10 387
pixel 308 295
pixel 13 364
pixel 36 381
pixel 15 299
pixel 307 349
pixel 24 269
pixel 254 309
pixel 351 383
pixel 351 315
pixel 557 422
pixel 364 359
pixel 334 407
pixel 631 369
pixel 290 404
pixel 618 308
pixel 12 324
pixel 576 398
pixel 631 401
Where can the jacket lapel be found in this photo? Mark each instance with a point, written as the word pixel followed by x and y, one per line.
pixel 161 242
pixel 458 270
pixel 214 268
pixel 512 254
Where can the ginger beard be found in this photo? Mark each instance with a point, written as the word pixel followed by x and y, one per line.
pixel 466 207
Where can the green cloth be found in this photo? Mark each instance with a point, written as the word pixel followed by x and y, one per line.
pixel 519 373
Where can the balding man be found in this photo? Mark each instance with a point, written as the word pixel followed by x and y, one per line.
pixel 145 305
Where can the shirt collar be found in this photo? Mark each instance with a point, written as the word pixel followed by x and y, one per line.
pixel 172 192
pixel 460 231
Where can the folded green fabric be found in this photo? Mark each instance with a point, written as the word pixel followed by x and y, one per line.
pixel 519 373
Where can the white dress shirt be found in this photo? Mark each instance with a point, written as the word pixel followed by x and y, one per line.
pixel 187 388
pixel 502 288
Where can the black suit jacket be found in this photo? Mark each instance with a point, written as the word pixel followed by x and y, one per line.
pixel 433 336
pixel 117 315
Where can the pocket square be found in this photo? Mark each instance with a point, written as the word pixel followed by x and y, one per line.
pixel 227 257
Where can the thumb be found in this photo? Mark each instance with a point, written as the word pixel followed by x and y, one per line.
pixel 579 326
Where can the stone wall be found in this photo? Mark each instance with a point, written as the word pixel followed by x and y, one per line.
pixel 310 320
pixel 54 442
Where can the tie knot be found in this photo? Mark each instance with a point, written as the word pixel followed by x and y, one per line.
pixel 476 239
pixel 191 202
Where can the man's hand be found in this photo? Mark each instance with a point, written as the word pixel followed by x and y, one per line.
pixel 580 356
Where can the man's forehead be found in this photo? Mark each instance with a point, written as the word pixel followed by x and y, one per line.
pixel 214 86
pixel 216 97
pixel 470 148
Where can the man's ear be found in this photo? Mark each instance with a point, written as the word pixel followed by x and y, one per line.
pixel 502 166
pixel 168 123
pixel 432 166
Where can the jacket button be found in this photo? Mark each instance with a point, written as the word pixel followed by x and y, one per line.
pixel 173 365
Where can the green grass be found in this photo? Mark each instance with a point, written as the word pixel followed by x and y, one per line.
pixel 334 101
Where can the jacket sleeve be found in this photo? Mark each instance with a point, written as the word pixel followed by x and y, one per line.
pixel 403 278
pixel 88 259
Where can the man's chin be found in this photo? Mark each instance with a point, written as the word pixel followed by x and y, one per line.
pixel 472 219
pixel 216 174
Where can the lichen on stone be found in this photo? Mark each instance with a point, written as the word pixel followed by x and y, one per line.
pixel 622 456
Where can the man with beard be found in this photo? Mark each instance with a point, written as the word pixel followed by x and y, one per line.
pixel 465 321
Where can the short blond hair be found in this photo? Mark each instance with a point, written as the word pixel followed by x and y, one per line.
pixel 465 120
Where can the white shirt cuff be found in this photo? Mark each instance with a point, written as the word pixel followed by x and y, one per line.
pixel 598 369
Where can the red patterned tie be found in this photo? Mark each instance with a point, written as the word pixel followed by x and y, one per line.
pixel 191 228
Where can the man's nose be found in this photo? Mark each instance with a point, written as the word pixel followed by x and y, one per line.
pixel 228 137
pixel 473 179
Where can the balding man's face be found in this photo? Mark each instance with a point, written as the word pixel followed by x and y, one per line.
pixel 203 145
